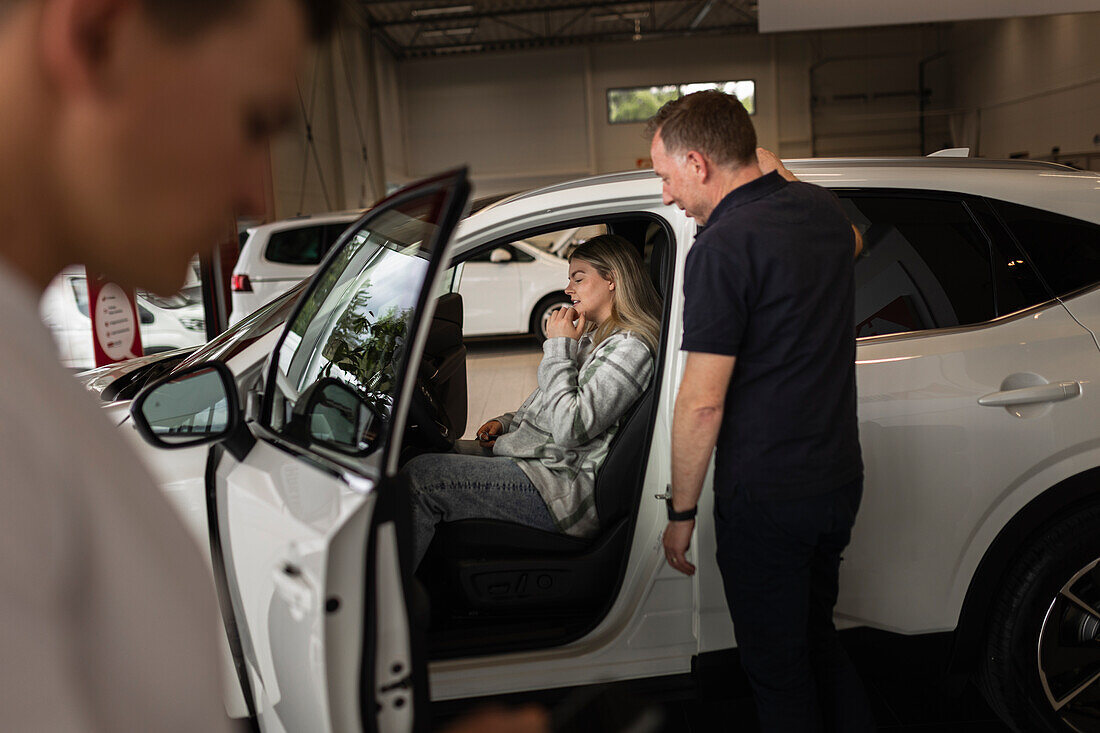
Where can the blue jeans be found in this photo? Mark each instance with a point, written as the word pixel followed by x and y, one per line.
pixel 470 484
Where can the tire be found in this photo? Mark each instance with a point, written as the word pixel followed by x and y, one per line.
pixel 542 311
pixel 1041 670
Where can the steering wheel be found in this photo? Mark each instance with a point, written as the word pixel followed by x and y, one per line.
pixel 427 422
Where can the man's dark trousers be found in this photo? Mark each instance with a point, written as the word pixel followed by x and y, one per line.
pixel 780 561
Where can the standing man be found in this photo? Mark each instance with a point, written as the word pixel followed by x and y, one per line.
pixel 770 382
pixel 130 133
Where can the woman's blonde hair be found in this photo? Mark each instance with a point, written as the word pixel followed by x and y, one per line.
pixel 635 305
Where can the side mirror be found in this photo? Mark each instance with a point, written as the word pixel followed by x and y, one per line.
pixel 333 414
pixel 196 406
pixel 499 255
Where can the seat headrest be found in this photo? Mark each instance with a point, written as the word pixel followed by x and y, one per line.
pixel 656 249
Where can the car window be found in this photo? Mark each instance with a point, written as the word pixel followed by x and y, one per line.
pixel 80 294
pixel 925 264
pixel 1066 251
pixel 243 334
pixel 562 242
pixel 518 255
pixel 353 327
pixel 305 245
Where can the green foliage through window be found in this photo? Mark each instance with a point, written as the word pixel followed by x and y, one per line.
pixel 638 104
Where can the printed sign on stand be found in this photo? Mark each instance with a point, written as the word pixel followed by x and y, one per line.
pixel 116 333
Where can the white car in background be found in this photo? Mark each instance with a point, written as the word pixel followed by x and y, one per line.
pixel 510 290
pixel 275 256
pixel 168 323
pixel 977 309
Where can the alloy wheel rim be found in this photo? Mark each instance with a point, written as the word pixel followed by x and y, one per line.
pixel 1069 651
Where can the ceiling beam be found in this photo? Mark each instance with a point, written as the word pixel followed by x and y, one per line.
pixel 472 46
pixel 566 6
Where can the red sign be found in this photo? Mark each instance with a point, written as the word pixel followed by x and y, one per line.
pixel 116 330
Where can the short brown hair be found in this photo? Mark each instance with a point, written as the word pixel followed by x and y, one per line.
pixel 712 122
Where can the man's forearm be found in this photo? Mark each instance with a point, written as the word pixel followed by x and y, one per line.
pixel 694 435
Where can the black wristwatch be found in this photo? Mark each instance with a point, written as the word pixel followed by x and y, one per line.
pixel 675 516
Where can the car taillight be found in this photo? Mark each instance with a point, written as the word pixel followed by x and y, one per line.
pixel 241 284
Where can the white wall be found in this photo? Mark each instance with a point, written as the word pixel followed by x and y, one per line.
pixel 524 119
pixel 723 58
pixel 529 118
pixel 1029 84
pixel 518 120
pixel 338 88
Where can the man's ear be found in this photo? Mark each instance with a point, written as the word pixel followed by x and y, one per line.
pixel 76 41
pixel 698 165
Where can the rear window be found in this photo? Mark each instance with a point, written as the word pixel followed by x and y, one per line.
pixel 303 245
pixel 925 264
pixel 1065 251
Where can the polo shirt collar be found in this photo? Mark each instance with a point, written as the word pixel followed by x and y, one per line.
pixel 747 193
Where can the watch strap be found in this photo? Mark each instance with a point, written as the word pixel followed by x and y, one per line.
pixel 675 516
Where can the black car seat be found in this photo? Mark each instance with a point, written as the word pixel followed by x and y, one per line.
pixel 490 565
pixel 443 367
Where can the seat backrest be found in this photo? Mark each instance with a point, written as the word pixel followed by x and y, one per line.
pixel 656 250
pixel 620 477
pixel 621 474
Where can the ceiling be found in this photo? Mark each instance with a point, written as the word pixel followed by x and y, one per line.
pixel 443 27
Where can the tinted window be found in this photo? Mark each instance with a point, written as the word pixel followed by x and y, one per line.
pixel 925 264
pixel 302 246
pixel 1066 251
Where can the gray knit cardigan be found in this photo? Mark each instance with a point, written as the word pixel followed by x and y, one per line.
pixel 560 436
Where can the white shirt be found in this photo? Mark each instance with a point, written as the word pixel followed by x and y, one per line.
pixel 108 619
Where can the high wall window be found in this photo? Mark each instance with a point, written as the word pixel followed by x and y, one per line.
pixel 638 104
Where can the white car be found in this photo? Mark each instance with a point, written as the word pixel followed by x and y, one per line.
pixel 166 323
pixel 275 256
pixel 977 310
pixel 511 289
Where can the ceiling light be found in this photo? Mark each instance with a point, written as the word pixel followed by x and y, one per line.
pixel 445 10
pixel 636 15
pixel 448 32
pixel 458 49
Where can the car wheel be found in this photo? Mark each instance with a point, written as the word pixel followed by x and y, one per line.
pixel 541 314
pixel 1042 664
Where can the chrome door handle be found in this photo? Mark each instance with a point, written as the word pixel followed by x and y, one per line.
pixel 1056 392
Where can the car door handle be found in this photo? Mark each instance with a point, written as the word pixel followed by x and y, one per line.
pixel 1055 392
pixel 293 587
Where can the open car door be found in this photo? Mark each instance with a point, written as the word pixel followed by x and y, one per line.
pixel 313 534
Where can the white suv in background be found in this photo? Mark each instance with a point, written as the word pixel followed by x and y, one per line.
pixel 166 324
pixel 275 256
pixel 512 289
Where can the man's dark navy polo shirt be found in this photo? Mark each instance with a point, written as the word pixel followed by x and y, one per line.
pixel 770 281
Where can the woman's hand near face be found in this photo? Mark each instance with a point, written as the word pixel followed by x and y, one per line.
pixel 561 324
pixel 488 433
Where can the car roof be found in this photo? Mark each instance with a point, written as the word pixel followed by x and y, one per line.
pixel 1048 186
pixel 293 222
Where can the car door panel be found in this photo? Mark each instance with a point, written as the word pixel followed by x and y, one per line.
pixel 919 397
pixel 283 514
pixel 316 577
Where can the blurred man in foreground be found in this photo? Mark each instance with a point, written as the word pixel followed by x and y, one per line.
pixel 130 132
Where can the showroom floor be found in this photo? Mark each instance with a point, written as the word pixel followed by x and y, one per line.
pixel 903 674
pixel 904 677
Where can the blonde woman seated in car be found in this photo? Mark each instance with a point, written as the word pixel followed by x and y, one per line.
pixel 537 466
